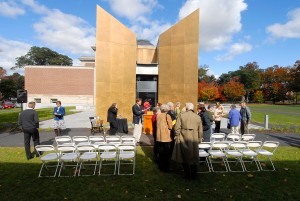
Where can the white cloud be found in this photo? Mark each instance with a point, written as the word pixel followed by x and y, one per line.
pixel 9 51
pixel 290 29
pixel 132 9
pixel 67 32
pixel 36 7
pixel 234 50
pixel 10 9
pixel 219 20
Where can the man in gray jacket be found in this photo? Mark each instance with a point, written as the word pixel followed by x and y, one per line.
pixel 29 121
pixel 246 117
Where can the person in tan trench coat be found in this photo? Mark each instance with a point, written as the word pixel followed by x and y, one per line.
pixel 188 134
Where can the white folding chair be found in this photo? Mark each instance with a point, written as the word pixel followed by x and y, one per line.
pixel 235 155
pixel 267 150
pixel 217 137
pixel 128 140
pixel 81 140
pixel 66 140
pixel 97 140
pixel 113 139
pixel 50 158
pixel 68 158
pixel 88 157
pixel 108 156
pixel 250 153
pixel 126 156
pixel 233 137
pixel 217 152
pixel 204 147
pixel 248 137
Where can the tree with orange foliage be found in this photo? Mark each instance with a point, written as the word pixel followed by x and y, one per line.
pixel 233 90
pixel 207 91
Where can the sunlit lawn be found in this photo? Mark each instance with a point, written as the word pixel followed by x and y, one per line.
pixel 19 182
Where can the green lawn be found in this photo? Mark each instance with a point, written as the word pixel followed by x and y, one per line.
pixel 9 117
pixel 19 182
pixel 286 116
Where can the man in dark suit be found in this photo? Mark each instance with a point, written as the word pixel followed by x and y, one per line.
pixel 137 119
pixel 29 121
pixel 112 118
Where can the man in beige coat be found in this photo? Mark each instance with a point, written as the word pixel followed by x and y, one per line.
pixel 188 134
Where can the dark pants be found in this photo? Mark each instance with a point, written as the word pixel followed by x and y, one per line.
pixel 28 133
pixel 113 128
pixel 218 125
pixel 155 147
pixel 190 171
pixel 164 155
pixel 244 127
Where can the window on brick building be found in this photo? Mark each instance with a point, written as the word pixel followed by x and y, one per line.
pixel 53 100
pixel 38 100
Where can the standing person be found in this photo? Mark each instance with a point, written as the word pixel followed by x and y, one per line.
pixel 246 117
pixel 112 113
pixel 211 116
pixel 156 111
pixel 29 121
pixel 218 116
pixel 146 105
pixel 188 130
pixel 137 119
pixel 234 119
pixel 59 113
pixel 177 109
pixel 163 138
pixel 206 125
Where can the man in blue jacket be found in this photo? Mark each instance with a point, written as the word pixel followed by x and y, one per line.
pixel 234 119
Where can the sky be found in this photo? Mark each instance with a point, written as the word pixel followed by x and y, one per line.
pixel 232 32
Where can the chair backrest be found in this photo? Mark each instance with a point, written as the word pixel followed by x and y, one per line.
pixel 127 139
pixel 204 145
pixel 126 147
pixel 63 140
pixel 254 145
pixel 113 138
pixel 271 146
pixel 217 137
pixel 80 139
pixel 95 121
pixel 93 139
pixel 85 148
pixel 220 145
pixel 44 148
pixel 248 137
pixel 233 137
pixel 66 148
pixel 107 148
pixel 238 145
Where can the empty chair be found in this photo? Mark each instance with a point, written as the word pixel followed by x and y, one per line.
pixel 204 147
pixel 67 140
pixel 50 159
pixel 113 139
pixel 68 158
pixel 96 125
pixel 235 155
pixel 80 140
pixel 267 151
pixel 217 137
pixel 96 140
pixel 108 156
pixel 127 153
pixel 88 157
pixel 250 153
pixel 248 137
pixel 217 152
pixel 233 137
pixel 127 140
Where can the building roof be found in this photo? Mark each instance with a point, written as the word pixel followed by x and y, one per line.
pixel 144 42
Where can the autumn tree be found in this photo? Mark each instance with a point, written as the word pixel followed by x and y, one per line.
pixel 294 84
pixel 2 72
pixel 233 90
pixel 207 91
pixel 258 96
pixel 42 56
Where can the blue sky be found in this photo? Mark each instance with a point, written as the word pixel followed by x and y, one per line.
pixel 232 32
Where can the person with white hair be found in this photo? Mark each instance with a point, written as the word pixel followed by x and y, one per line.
pixel 163 138
pixel 188 134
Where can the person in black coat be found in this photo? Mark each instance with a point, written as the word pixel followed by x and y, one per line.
pixel 29 121
pixel 112 113
pixel 206 123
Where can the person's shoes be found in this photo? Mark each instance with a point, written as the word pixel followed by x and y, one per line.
pixel 30 157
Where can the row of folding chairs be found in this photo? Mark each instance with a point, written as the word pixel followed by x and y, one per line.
pixel 79 140
pixel 81 156
pixel 231 137
pixel 238 152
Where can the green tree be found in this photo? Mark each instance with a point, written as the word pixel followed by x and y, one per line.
pixel 294 84
pixel 10 84
pixel 42 56
pixel 203 76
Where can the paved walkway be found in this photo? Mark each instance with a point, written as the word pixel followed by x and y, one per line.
pixel 79 124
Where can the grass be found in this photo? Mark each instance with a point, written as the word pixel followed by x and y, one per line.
pixel 19 182
pixel 9 117
pixel 280 116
